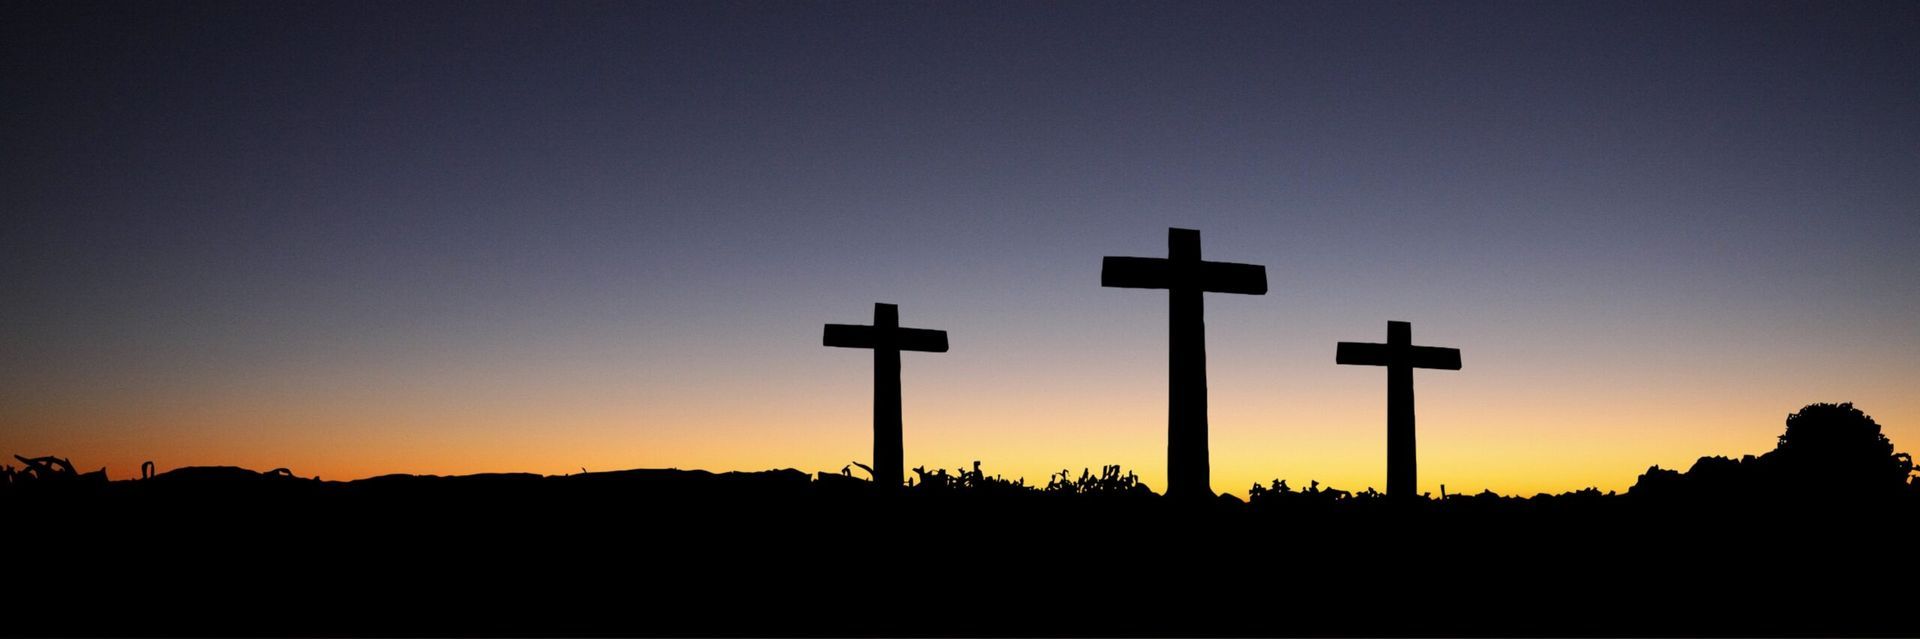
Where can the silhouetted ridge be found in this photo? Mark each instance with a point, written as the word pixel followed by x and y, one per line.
pixel 653 551
pixel 222 473
pixel 784 475
pixel 483 477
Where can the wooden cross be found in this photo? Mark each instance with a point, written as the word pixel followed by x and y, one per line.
pixel 1185 277
pixel 887 339
pixel 1400 357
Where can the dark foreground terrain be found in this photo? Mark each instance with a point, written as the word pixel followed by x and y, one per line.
pixel 226 551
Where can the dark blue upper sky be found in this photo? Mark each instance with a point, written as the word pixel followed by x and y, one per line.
pixel 205 195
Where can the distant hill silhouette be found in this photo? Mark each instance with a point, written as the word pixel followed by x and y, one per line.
pixel 1794 541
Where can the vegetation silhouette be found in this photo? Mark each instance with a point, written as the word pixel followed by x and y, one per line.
pixel 1830 455
pixel 226 551
pixel 1110 482
pixel 50 468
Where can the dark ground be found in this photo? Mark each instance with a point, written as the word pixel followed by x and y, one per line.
pixel 198 552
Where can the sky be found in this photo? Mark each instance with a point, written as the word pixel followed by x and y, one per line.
pixel 359 238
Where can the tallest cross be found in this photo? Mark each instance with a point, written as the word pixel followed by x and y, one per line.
pixel 1185 277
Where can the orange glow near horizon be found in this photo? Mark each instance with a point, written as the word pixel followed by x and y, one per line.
pixel 1475 432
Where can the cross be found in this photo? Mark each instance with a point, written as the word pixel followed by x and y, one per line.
pixel 1185 277
pixel 1400 357
pixel 887 339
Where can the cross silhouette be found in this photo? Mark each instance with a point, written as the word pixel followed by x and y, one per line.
pixel 1400 357
pixel 887 339
pixel 1185 277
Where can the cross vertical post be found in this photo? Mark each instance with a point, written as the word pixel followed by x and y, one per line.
pixel 1402 457
pixel 889 449
pixel 1189 459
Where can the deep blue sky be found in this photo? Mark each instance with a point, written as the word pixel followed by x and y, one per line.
pixel 333 231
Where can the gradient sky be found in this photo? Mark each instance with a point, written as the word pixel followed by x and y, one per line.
pixel 362 238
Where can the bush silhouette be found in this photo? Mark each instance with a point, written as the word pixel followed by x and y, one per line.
pixel 1838 447
pixel 1112 481
pixel 1829 452
pixel 1278 494
pixel 973 481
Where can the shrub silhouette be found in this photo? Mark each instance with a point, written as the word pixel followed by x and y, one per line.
pixel 1829 452
pixel 973 481
pixel 1837 447
pixel 1110 482
pixel 50 468
pixel 1280 494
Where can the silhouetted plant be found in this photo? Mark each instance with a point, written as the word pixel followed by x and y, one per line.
pixel 1279 494
pixel 1913 472
pixel 50 468
pixel 1836 446
pixel 1829 452
pixel 1110 482
pixel 966 481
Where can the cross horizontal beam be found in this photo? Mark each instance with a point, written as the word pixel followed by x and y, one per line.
pixel 1369 354
pixel 906 339
pixel 1210 277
